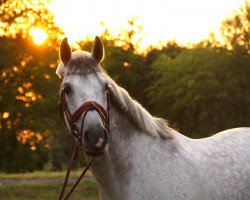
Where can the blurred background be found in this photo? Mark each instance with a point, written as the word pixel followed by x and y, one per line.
pixel 186 61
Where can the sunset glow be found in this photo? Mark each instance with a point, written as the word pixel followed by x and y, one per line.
pixel 39 35
pixel 6 115
pixel 32 138
pixel 184 21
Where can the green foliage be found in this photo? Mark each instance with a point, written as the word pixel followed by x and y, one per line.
pixel 129 70
pixel 28 85
pixel 200 91
pixel 172 49
pixel 206 89
pixel 235 30
pixel 24 94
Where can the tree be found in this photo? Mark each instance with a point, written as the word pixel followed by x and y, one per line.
pixel 171 48
pixel 29 87
pixel 235 30
pixel 18 17
pixel 206 89
pixel 199 92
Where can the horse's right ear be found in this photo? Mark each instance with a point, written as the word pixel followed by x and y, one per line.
pixel 65 51
pixel 98 50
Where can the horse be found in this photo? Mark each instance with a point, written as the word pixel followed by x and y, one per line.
pixel 138 156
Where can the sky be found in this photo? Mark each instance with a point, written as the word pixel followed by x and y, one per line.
pixel 186 21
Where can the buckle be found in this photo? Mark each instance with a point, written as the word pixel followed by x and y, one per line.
pixel 78 140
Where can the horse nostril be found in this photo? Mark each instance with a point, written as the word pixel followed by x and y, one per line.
pixel 105 136
pixel 105 132
pixel 95 137
pixel 86 136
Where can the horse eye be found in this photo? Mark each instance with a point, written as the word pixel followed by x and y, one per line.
pixel 67 89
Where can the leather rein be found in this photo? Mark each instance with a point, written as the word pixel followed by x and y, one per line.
pixel 70 120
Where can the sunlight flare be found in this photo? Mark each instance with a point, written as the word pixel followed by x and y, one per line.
pixel 38 35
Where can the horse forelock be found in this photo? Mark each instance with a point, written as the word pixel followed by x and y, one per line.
pixel 81 63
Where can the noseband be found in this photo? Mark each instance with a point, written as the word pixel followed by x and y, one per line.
pixel 83 109
pixel 71 121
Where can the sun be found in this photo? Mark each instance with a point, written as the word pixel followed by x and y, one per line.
pixel 39 35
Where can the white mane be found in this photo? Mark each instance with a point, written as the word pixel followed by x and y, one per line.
pixel 137 114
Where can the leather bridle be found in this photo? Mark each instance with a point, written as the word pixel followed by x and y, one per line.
pixel 83 109
pixel 71 120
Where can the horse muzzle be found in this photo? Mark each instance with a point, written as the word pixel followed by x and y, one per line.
pixel 94 137
pixel 94 140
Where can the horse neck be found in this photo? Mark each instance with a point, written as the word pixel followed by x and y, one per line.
pixel 127 150
pixel 116 161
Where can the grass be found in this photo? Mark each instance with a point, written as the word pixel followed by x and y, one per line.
pixel 86 190
pixel 43 174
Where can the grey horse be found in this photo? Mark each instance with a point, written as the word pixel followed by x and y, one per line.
pixel 143 157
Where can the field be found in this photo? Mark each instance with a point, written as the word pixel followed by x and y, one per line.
pixel 44 186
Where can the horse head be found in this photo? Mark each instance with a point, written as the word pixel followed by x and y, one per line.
pixel 84 96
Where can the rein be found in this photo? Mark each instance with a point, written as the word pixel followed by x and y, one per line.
pixel 71 121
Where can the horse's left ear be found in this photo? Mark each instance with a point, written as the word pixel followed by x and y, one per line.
pixel 98 50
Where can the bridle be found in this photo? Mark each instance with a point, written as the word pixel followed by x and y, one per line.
pixel 83 109
pixel 71 120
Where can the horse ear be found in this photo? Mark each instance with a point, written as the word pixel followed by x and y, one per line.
pixel 98 50
pixel 65 51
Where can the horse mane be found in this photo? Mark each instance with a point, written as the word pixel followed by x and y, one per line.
pixel 136 114
pixel 81 63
